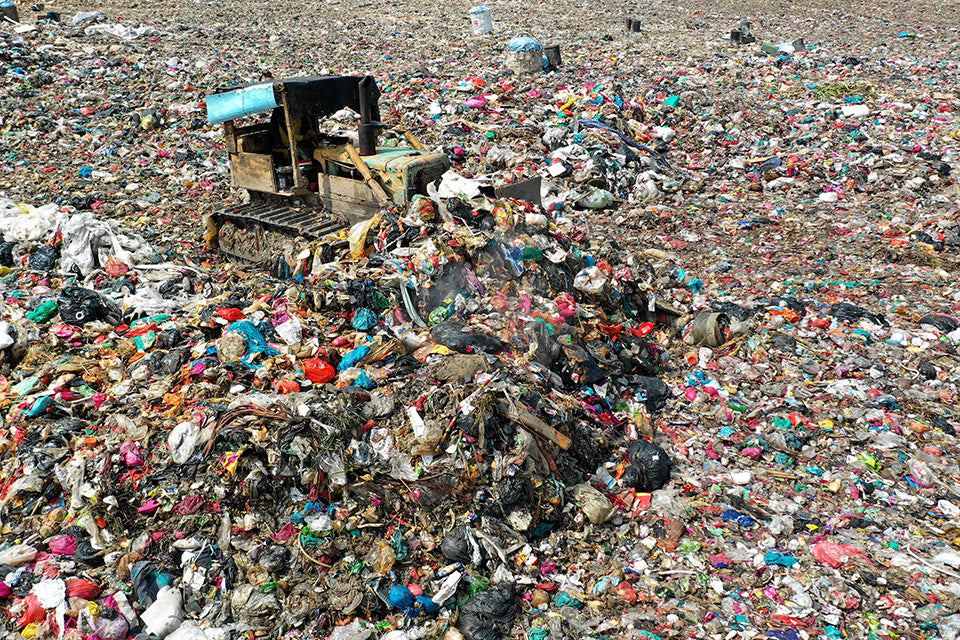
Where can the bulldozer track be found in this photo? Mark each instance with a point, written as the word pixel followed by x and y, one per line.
pixel 263 219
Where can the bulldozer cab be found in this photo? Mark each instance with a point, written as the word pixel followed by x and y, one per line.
pixel 285 153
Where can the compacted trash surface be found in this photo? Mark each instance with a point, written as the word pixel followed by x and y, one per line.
pixel 704 386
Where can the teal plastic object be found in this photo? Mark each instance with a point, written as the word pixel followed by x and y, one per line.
pixel 240 102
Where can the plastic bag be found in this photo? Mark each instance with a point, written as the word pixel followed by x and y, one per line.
pixel 943 322
pixel 460 545
pixel 352 358
pixel 355 630
pixel 317 371
pixel 44 258
pixel 63 546
pixel 594 504
pixel 17 555
pixel 7 335
pixel 590 280
pixel 655 391
pixel 79 306
pixel 82 588
pixel 453 335
pixel 834 555
pixel 524 43
pixel 255 340
pixel 290 331
pixel 542 343
pixel 595 199
pixel 358 236
pixel 382 558
pixel 187 631
pixel 183 441
pixel 853 313
pixel 165 614
pixel 489 615
pixel 401 597
pixel 709 329
pixel 100 626
pixel 649 469
pixel 364 319
pixel 6 253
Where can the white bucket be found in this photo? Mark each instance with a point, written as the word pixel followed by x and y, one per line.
pixel 482 20
pixel 525 61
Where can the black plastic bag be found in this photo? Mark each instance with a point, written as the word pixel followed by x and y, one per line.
pixel 649 468
pixel 945 425
pixel 489 615
pixel 853 313
pixel 946 324
pixel 83 202
pixel 734 310
pixel 79 306
pixel 170 363
pixel 545 347
pixel 452 335
pixel 657 392
pixel 927 370
pixel 44 258
pixel 460 545
pixel 86 554
pixel 6 253
pixel 275 558
pixel 784 343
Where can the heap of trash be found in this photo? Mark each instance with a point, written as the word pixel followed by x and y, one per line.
pixel 701 383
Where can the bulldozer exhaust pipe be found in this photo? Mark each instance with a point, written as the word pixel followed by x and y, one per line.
pixel 367 131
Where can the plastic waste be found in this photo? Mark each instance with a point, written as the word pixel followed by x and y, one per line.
pixel 489 614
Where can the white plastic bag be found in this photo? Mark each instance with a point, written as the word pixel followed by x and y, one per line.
pixel 17 555
pixel 590 280
pixel 183 441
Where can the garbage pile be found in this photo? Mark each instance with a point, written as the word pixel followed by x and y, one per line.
pixel 705 389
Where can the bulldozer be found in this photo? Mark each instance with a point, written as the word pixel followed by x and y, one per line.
pixel 304 183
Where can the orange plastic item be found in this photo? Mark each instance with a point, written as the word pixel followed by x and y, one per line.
pixel 318 371
pixel 287 386
pixel 230 314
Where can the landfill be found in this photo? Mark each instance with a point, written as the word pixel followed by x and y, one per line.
pixel 705 387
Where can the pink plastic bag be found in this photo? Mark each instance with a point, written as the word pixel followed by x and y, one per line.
pixel 63 546
pixel 835 555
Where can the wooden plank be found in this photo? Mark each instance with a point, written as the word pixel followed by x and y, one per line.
pixel 230 135
pixel 253 171
pixel 298 180
pixel 350 198
pixel 520 415
pixel 368 176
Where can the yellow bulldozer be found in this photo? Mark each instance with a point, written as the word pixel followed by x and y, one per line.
pixel 304 183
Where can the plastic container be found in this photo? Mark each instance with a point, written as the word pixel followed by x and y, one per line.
pixel 524 61
pixel 482 20
pixel 552 54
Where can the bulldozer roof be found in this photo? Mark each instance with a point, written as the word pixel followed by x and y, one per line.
pixel 306 95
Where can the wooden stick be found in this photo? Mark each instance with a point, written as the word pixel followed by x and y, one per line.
pixel 414 141
pixel 291 134
pixel 519 414
pixel 368 177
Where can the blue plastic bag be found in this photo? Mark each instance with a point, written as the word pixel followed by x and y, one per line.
pixel 352 358
pixel 523 43
pixel 364 319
